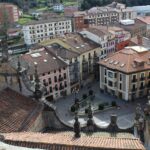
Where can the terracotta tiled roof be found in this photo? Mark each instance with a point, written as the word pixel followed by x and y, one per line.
pixel 67 141
pixel 99 31
pixel 145 19
pixel 126 60
pixel 48 21
pixel 7 68
pixel 79 44
pixel 61 51
pixel 17 112
pixel 69 11
pixel 138 24
pixel 46 61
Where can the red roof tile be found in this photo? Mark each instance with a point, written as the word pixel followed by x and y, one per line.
pixel 67 141
pixel 17 112
pixel 126 60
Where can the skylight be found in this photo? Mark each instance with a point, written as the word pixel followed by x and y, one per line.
pixel 36 55
pixel 122 65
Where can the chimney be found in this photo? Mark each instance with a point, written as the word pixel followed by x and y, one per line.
pixel 140 40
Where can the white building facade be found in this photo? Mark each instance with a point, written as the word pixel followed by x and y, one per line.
pixel 126 80
pixel 44 30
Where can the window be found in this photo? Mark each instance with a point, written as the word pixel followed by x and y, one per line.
pixel 120 86
pixel 64 75
pixel 44 81
pixel 133 86
pixel 56 87
pixel 65 84
pixel 49 80
pixel 149 75
pixel 110 83
pixel 142 85
pixel 142 75
pixel 120 77
pixel 55 79
pixel 50 90
pixel 110 74
pixel 134 78
pixel 54 71
pixel 105 72
pixel 31 77
pixel 59 70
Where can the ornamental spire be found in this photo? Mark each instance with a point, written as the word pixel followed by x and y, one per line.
pixel 77 128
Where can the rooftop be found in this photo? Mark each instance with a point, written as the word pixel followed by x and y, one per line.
pixel 145 19
pixel 138 24
pixel 79 44
pixel 66 140
pixel 61 51
pixel 138 49
pixel 17 111
pixel 99 31
pixel 128 60
pixel 47 60
pixel 75 43
pixel 49 20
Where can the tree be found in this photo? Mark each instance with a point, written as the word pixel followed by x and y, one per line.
pixel 87 4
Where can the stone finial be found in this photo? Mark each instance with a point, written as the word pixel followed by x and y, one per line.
pixel 113 119
pixel 90 123
pixel 37 81
pixel 38 93
pixel 77 128
pixel 113 127
pixel 18 65
pixel 138 112
pixel 90 113
pixel 18 74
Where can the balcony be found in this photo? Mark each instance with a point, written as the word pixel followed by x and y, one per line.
pixel 95 59
pixel 61 79
pixel 134 80
pixel 45 84
pixel 134 89
pixel 142 78
pixel 61 87
pixel 142 87
pixel 148 85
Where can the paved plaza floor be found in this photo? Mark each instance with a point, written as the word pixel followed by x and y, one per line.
pixel 125 114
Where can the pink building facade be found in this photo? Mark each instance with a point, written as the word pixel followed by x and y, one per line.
pixel 53 73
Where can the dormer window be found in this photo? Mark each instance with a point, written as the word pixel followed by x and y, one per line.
pixel 139 62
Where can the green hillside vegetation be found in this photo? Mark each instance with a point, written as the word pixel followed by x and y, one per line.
pixel 91 3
